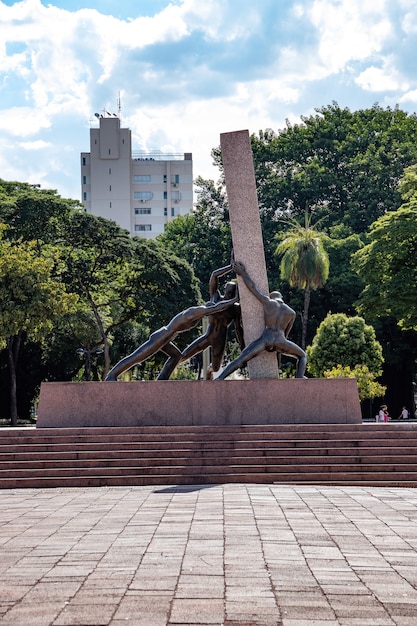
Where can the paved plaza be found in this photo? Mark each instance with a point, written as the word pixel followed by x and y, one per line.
pixel 232 555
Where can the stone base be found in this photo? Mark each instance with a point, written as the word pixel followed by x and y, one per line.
pixel 199 403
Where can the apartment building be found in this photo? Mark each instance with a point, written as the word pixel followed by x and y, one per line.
pixel 140 191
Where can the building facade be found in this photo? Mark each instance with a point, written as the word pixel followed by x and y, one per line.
pixel 141 192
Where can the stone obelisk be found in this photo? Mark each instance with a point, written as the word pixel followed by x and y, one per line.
pixel 247 240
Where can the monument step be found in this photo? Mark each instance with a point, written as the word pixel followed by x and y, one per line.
pixel 322 451
pixel 360 479
pixel 373 454
pixel 228 469
pixel 262 456
pixel 160 433
pixel 167 435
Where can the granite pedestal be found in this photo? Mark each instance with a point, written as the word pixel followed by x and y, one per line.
pixel 199 402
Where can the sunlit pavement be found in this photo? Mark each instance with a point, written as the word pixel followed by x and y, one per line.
pixel 233 554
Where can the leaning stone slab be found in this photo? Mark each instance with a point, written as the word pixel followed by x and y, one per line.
pixel 199 403
pixel 247 239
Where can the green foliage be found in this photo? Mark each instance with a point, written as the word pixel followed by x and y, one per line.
pixel 343 284
pixel 368 387
pixel 388 267
pixel 32 213
pixel 119 278
pixel 183 372
pixel 31 298
pixel 344 341
pixel 408 183
pixel 341 164
pixel 304 261
pixel 203 237
pixel 114 277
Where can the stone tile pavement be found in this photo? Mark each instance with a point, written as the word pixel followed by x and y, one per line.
pixel 231 555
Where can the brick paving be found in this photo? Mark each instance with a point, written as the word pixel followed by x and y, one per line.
pixel 230 555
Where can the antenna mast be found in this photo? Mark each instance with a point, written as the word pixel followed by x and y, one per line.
pixel 119 106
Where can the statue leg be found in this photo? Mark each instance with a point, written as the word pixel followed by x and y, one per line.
pixel 171 363
pixel 218 347
pixel 156 342
pixel 290 348
pixel 168 367
pixel 198 345
pixel 252 350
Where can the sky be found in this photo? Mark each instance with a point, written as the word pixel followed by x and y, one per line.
pixel 182 72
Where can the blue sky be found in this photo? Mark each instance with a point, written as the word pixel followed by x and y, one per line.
pixel 186 71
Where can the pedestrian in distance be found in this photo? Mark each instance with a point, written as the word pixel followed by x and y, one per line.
pixel 404 414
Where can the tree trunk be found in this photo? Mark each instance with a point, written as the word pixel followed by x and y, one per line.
pixel 87 366
pixel 106 356
pixel 13 345
pixel 304 320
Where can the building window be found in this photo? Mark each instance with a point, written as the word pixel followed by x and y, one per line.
pixel 143 211
pixel 175 196
pixel 165 195
pixel 165 178
pixel 84 161
pixel 143 227
pixel 175 211
pixel 109 170
pixel 175 179
pixel 142 195
pixel 142 178
pixel 85 196
pixel 165 211
pixel 84 180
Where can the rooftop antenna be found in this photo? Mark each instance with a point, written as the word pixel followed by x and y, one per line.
pixel 119 106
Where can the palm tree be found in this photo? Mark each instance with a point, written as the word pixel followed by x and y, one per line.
pixel 304 263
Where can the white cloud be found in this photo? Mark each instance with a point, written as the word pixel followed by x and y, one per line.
pixel 24 121
pixel 409 17
pixel 381 79
pixel 191 71
pixel 35 145
pixel 409 96
pixel 349 30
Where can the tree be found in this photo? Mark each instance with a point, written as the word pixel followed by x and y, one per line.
pixel 344 164
pixel 343 285
pixel 31 297
pixel 115 277
pixel 388 267
pixel 118 278
pixel 304 263
pixel 344 341
pixel 32 213
pixel 72 350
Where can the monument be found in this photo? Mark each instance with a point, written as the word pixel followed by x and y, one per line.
pixel 263 399
pixel 247 240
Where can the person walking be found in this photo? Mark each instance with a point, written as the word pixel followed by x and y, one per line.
pixel 380 416
pixel 383 415
pixel 404 414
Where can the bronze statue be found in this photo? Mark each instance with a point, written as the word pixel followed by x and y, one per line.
pixel 279 319
pixel 161 340
pixel 215 336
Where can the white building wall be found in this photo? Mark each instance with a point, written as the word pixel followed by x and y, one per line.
pixel 141 193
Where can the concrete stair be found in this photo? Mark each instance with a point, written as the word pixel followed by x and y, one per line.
pixel 359 454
